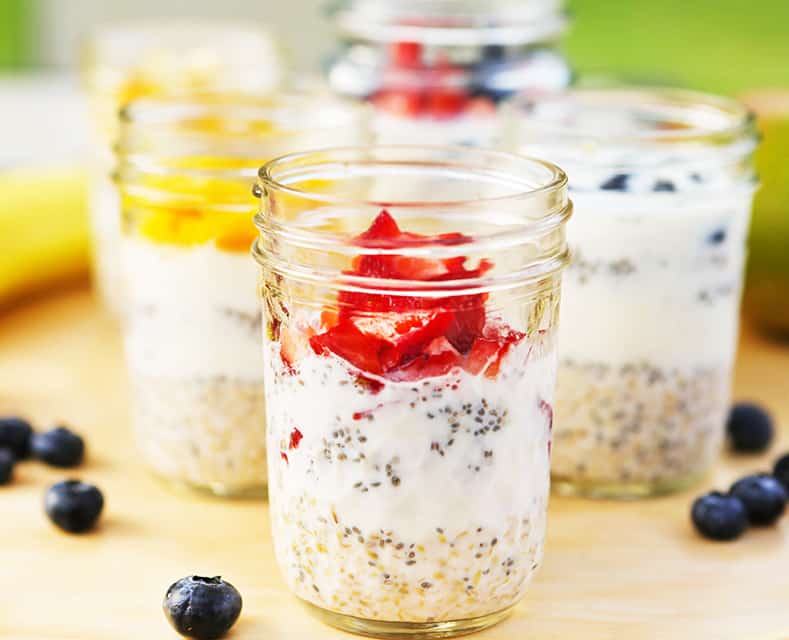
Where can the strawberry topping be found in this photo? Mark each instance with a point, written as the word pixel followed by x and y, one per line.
pixel 410 337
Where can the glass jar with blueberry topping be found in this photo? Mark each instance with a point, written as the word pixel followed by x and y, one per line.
pixel 437 70
pixel 409 354
pixel 663 182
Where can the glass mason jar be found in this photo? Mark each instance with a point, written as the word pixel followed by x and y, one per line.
pixel 192 322
pixel 436 71
pixel 662 182
pixel 409 367
pixel 125 62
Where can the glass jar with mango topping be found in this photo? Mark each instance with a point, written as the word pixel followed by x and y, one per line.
pixel 191 322
pixel 144 59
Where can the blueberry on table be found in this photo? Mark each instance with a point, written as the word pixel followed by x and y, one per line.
pixel 73 506
pixel 781 470
pixel 750 428
pixel 719 517
pixel 15 434
pixel 59 447
pixel 616 183
pixel 202 608
pixel 7 460
pixel 763 496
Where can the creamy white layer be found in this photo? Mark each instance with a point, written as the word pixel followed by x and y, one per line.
pixel 105 219
pixel 655 277
pixel 191 311
pixel 390 464
pixel 468 130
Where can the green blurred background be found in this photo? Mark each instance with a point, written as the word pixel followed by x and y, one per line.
pixel 733 47
pixel 725 46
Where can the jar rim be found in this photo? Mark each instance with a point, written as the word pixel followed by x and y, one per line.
pixel 229 126
pixel 507 22
pixel 121 43
pixel 661 115
pixel 268 174
pixel 549 197
pixel 276 107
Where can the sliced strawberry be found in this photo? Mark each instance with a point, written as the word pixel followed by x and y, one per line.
pixel 400 102
pixel 415 335
pixel 438 359
pixel 406 54
pixel 295 439
pixel 288 350
pixel 383 227
pixel 407 337
pixel 443 104
pixel 507 338
pixel 466 326
pixel 481 355
pixel 347 342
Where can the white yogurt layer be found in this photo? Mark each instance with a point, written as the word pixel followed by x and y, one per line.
pixel 192 312
pixel 425 501
pixel 467 130
pixel 655 277
pixel 105 219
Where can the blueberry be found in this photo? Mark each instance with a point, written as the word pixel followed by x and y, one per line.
pixel 781 470
pixel 202 608
pixel 719 517
pixel 750 428
pixel 15 434
pixel 73 506
pixel 59 447
pixel 717 236
pixel 616 183
pixel 763 496
pixel 494 52
pixel 664 186
pixel 7 459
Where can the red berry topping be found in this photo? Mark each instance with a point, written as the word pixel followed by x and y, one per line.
pixel 410 337
pixel 295 439
pixel 444 104
pixel 400 102
pixel 406 54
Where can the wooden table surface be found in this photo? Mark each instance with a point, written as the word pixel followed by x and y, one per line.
pixel 612 570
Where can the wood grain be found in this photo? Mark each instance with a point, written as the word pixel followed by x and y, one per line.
pixel 612 570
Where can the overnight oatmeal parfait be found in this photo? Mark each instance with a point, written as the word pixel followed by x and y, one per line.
pixel 409 369
pixel 662 183
pixel 135 60
pixel 437 71
pixel 192 323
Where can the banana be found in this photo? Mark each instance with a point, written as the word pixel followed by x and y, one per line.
pixel 44 240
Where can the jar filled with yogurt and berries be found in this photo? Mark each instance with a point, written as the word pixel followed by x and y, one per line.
pixel 663 182
pixel 410 354
pixel 191 325
pixel 437 70
pixel 130 61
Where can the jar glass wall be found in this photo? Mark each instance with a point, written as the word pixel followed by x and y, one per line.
pixel 409 368
pixel 125 62
pixel 436 72
pixel 192 323
pixel 662 183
